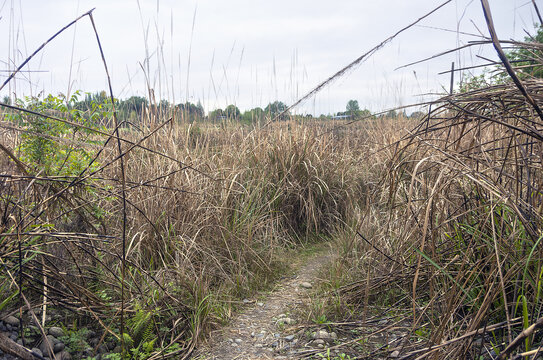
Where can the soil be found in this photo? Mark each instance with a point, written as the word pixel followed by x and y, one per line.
pixel 268 329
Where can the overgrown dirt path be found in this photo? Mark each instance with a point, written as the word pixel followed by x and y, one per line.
pixel 267 327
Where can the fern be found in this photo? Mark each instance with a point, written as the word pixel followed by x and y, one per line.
pixel 128 341
pixel 141 327
pixel 140 338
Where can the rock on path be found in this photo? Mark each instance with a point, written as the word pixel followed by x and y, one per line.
pixel 263 330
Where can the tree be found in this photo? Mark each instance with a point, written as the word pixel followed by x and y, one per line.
pixel 365 113
pixel 134 103
pixel 132 108
pixel 474 82
pixel 190 111
pixel 216 115
pixel 232 112
pixel 353 108
pixel 275 108
pixel 527 59
pixel 200 109
pixel 252 116
pixel 417 115
pixel 91 98
pixel 164 105
pixel 391 114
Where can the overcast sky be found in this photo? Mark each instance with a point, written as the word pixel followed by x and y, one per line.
pixel 250 52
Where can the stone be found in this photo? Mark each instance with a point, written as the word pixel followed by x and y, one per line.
pixel 13 336
pixel 43 346
pixel 56 331
pixel 102 349
pixel 275 344
pixel 289 338
pixel 93 341
pixel 12 320
pixel 285 321
pixel 58 347
pixel 318 342
pixel 64 355
pixel 246 301
pixel 395 354
pixel 306 285
pixel 478 343
pixel 324 335
pixel 238 341
pixel 234 344
pixel 37 352
pixel 260 304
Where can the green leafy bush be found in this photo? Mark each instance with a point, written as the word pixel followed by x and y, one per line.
pixel 53 147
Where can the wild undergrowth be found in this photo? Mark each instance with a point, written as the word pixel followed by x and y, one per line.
pixel 211 212
pixel 448 246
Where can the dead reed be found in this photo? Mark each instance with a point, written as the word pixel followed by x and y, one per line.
pixel 211 212
pixel 450 241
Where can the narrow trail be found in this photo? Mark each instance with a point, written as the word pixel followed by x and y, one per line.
pixel 267 329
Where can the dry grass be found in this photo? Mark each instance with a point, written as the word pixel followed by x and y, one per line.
pixel 449 242
pixel 212 212
pixel 437 228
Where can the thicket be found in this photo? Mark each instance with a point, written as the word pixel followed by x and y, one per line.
pixel 211 211
pixel 449 247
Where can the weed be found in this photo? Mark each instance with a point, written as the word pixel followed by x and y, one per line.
pixel 328 356
pixel 75 340
pixel 321 319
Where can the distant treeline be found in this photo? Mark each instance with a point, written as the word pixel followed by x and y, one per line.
pixel 136 109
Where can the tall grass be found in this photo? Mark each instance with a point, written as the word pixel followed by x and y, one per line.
pixel 452 234
pixel 212 211
pixel 439 226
